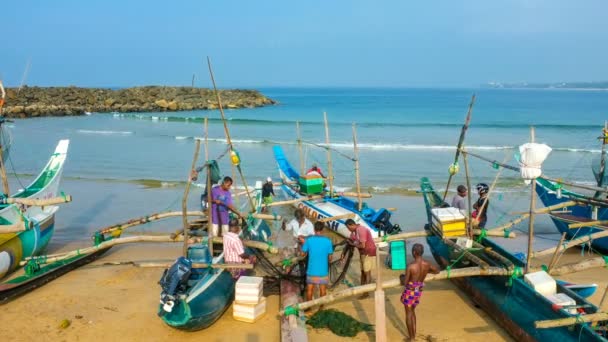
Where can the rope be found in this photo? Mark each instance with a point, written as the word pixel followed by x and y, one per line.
pixel 517 272
pixel 483 234
pixel 292 310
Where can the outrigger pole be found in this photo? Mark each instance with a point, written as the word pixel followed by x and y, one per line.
pixel 463 132
pixel 330 173
pixel 5 187
pixel 233 153
pixel 602 172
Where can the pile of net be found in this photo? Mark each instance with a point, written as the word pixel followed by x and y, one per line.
pixel 338 322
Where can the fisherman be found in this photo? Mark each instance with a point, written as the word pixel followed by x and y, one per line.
pixel 267 193
pixel 300 226
pixel 234 250
pixel 414 282
pixel 315 170
pixel 319 250
pixel 458 200
pixel 221 204
pixel 362 239
pixel 481 206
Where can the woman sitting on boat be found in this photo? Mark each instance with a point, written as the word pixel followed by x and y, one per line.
pixel 234 250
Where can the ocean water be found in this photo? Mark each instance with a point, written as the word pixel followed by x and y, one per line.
pixel 403 134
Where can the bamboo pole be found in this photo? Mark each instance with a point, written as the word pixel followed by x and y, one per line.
pixel 600 307
pixel 602 170
pixel 354 194
pixel 579 266
pixel 5 187
pixel 299 135
pixel 146 219
pixel 166 264
pixel 379 305
pixel 494 182
pixel 330 173
pixel 532 205
pixel 337 217
pixel 355 291
pixel 525 216
pixel 228 140
pixel 50 258
pixel 466 254
pixel 15 227
pixel 469 199
pixel 402 236
pixel 38 202
pixel 209 197
pixel 503 234
pixel 588 224
pixel 571 243
pixel 564 322
pixel 197 147
pixel 554 257
pixel 298 200
pixel 357 176
pixel 463 132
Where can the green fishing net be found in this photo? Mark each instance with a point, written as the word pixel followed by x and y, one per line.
pixel 338 322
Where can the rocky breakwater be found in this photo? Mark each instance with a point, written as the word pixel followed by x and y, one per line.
pixel 63 101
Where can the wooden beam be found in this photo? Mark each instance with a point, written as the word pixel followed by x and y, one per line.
pixel 588 224
pixel 297 200
pixel 16 227
pixel 571 243
pixel 38 202
pixel 537 211
pixel 467 255
pixel 579 266
pixel 564 322
pixel 197 147
pixel 166 264
pixel 355 291
pixel 555 254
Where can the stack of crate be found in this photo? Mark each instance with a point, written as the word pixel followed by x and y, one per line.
pixel 249 303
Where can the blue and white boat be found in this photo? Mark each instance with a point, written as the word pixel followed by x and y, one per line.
pixel 377 221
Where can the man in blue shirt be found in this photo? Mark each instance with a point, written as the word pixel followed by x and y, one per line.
pixel 319 250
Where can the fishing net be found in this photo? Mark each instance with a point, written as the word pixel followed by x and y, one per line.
pixel 338 322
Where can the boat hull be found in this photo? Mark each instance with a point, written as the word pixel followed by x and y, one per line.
pixel 201 311
pixel 514 307
pixel 577 214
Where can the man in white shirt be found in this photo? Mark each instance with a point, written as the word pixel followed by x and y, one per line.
pixel 459 199
pixel 300 226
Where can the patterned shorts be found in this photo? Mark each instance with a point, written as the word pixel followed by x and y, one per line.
pixel 317 280
pixel 412 293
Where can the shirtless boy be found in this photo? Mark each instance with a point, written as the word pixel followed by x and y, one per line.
pixel 414 282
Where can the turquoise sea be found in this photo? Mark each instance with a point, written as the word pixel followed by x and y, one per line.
pixel 124 165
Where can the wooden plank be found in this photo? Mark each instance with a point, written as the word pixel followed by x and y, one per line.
pixel 563 322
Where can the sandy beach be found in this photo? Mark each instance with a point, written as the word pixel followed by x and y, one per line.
pixel 120 303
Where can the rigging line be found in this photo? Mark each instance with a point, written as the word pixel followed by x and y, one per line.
pixel 10 160
pixel 517 169
pixel 324 146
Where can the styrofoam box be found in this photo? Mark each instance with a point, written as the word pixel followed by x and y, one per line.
pixel 247 312
pixel 249 291
pixel 248 299
pixel 563 299
pixel 250 283
pixel 447 214
pixel 542 282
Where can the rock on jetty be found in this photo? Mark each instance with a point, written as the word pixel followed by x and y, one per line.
pixel 64 101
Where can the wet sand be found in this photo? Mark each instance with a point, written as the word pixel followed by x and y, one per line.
pixel 120 303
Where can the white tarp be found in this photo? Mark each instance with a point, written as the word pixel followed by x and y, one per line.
pixel 532 156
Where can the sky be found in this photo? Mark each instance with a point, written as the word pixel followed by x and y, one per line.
pixel 440 43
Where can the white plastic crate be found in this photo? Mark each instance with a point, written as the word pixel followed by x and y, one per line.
pixel 249 283
pixel 249 312
pixel 542 282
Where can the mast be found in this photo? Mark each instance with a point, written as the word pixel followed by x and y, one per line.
pixel 463 132
pixel 299 135
pixel 185 198
pixel 532 205
pixel 228 140
pixel 209 198
pixel 469 199
pixel 602 172
pixel 5 187
pixel 357 178
pixel 329 165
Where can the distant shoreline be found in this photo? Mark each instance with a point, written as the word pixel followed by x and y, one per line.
pixel 70 101
pixel 602 85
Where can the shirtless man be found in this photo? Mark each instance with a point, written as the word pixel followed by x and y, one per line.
pixel 414 282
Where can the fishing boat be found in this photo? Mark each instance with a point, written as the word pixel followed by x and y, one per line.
pixel 377 221
pixel 552 193
pixel 39 222
pixel 510 300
